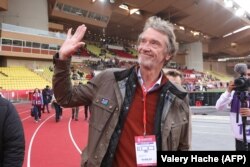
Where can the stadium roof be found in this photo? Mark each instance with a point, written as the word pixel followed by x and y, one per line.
pixel 220 27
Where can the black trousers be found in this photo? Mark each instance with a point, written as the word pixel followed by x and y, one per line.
pixel 37 112
pixel 86 108
pixel 240 146
pixel 58 109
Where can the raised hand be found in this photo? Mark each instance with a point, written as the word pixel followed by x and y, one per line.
pixel 72 42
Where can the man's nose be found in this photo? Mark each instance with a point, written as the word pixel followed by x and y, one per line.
pixel 145 46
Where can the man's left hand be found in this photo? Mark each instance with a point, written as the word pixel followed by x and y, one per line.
pixel 245 112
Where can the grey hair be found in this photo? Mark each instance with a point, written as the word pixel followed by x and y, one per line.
pixel 166 28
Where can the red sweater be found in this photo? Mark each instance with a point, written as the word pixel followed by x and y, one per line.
pixel 133 126
pixel 37 99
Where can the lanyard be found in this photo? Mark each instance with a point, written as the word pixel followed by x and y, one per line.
pixel 144 93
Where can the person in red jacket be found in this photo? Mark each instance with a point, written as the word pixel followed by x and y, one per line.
pixel 37 102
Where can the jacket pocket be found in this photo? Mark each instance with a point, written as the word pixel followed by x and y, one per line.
pixel 176 133
pixel 101 111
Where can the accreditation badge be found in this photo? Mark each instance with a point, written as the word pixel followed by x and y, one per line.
pixel 145 148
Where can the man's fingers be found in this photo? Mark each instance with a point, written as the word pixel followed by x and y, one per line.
pixel 244 112
pixel 80 44
pixel 72 42
pixel 80 31
pixel 69 35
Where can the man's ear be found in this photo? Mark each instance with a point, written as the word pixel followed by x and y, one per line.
pixel 168 57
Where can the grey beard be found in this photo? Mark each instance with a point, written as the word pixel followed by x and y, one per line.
pixel 147 65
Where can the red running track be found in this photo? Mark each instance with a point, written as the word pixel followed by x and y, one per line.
pixel 50 143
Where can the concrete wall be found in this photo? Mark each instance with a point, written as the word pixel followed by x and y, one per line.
pixel 219 67
pixel 26 13
pixel 194 57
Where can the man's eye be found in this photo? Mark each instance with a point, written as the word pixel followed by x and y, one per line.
pixel 155 43
pixel 142 41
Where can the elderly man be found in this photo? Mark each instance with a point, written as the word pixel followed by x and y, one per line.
pixel 129 108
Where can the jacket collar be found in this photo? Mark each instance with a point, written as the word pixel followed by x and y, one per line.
pixel 154 86
pixel 120 75
pixel 177 90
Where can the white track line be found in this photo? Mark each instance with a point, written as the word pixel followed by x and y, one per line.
pixel 23 112
pixel 71 136
pixel 32 139
pixel 209 133
pixel 26 118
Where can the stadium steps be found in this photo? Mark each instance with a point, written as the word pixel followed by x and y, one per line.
pixel 94 49
pixel 21 78
pixel 45 73
pixel 220 76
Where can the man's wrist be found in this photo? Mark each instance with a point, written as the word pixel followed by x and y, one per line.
pixel 56 58
pixel 61 56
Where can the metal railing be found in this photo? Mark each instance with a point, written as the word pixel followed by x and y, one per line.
pixel 16 95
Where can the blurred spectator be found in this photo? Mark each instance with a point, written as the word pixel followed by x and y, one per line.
pixel 75 111
pixel 37 102
pixel 57 108
pixel 86 108
pixel 174 76
pixel 75 75
pixel 47 96
pixel 12 140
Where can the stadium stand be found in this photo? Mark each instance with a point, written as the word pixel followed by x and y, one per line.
pixel 123 54
pixel 45 73
pixel 94 49
pixel 20 78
